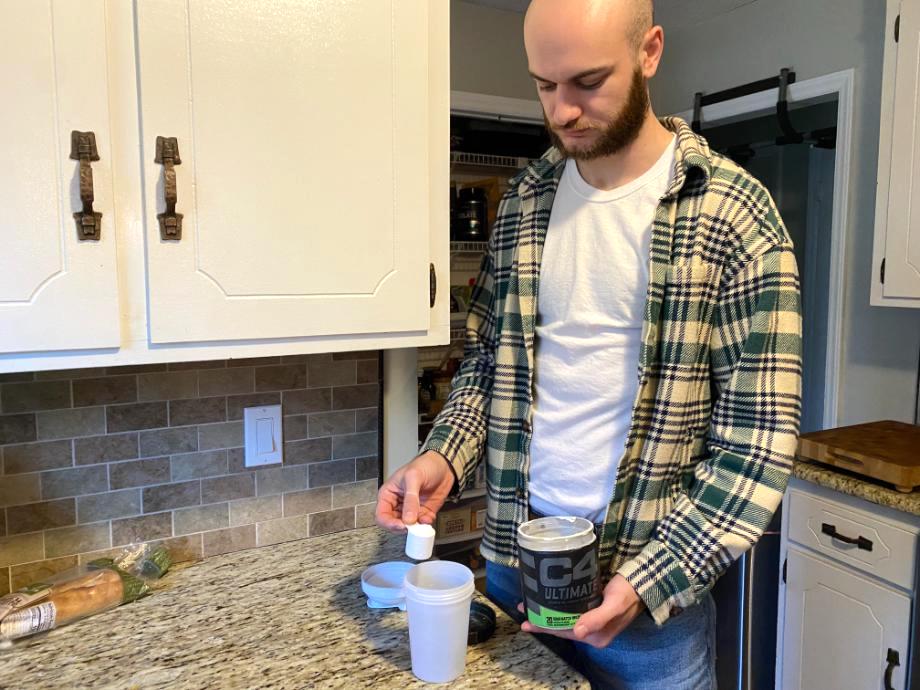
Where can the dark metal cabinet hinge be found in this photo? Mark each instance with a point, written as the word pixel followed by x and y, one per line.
pixel 882 272
pixel 432 285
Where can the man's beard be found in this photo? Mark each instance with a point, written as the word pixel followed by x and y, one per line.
pixel 621 130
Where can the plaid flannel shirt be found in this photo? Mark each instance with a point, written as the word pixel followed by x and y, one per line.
pixel 715 421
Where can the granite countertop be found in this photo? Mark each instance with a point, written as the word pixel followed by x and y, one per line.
pixel 285 616
pixel 855 485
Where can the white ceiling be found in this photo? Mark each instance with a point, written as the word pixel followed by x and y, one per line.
pixel 668 13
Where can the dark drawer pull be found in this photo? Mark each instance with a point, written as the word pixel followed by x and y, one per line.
pixel 860 542
pixel 893 662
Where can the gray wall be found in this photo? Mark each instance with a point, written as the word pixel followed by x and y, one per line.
pixel 881 344
pixel 487 52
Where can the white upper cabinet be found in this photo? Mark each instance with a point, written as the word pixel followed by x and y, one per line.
pixel 302 133
pixel 296 202
pixel 897 241
pixel 58 284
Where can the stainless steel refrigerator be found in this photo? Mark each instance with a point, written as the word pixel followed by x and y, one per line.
pixel 746 605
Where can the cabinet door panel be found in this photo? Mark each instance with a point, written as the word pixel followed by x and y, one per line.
pixel 55 292
pixel 839 626
pixel 902 246
pixel 302 132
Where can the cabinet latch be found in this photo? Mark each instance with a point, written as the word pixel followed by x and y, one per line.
pixel 167 154
pixel 83 149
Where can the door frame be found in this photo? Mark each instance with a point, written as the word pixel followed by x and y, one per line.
pixel 839 84
pixel 400 366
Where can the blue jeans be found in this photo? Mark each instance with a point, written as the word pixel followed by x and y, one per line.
pixel 680 655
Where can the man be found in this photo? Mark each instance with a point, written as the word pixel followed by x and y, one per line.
pixel 632 355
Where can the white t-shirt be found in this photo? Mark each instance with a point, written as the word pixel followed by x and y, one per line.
pixel 593 282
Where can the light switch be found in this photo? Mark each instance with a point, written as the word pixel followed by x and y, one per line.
pixel 265 442
pixel 262 435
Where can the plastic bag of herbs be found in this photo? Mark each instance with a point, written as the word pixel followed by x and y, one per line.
pixel 80 592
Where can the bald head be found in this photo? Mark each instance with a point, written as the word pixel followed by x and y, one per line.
pixel 621 18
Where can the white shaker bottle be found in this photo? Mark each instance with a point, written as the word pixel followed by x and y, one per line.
pixel 438 596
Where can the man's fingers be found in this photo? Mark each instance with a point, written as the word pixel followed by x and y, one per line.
pixel 412 482
pixel 596 619
pixel 529 627
pixel 386 514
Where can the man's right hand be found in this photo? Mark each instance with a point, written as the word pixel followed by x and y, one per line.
pixel 415 492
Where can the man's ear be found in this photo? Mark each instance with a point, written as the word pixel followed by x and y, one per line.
pixel 650 51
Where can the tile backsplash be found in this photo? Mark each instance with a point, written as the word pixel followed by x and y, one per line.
pixel 93 459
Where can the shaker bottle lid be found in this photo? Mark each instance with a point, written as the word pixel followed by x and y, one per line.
pixel 555 533
pixel 482 623
pixel 383 585
pixel 420 541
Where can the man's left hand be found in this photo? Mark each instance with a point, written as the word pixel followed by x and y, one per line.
pixel 620 607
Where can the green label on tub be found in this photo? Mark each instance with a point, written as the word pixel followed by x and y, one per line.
pixel 548 618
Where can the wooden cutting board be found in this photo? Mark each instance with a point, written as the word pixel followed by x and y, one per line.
pixel 888 451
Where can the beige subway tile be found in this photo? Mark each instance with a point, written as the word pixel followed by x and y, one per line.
pixel 354 397
pixel 364 515
pixel 331 423
pixel 330 521
pixel 83 421
pixel 34 396
pixel 31 573
pixel 331 373
pixel 67 541
pixel 38 516
pixel 201 519
pixel 252 510
pixel 280 377
pixel 281 530
pixel 108 505
pixel 344 495
pixel 22 549
pixel 221 435
pixel 19 489
pixel 35 457
pixel 75 481
pixel 232 381
pixel 183 549
pixel 309 501
pixel 107 390
pixel 144 528
pixel 167 386
pixel 229 540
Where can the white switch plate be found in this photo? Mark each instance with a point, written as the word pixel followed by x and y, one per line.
pixel 262 435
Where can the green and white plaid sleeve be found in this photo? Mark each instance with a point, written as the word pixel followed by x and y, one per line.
pixel 459 431
pixel 756 372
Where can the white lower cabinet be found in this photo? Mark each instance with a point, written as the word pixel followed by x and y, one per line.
pixel 847 600
pixel 840 628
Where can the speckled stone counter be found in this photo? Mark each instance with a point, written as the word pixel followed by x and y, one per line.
pixel 860 487
pixel 285 616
